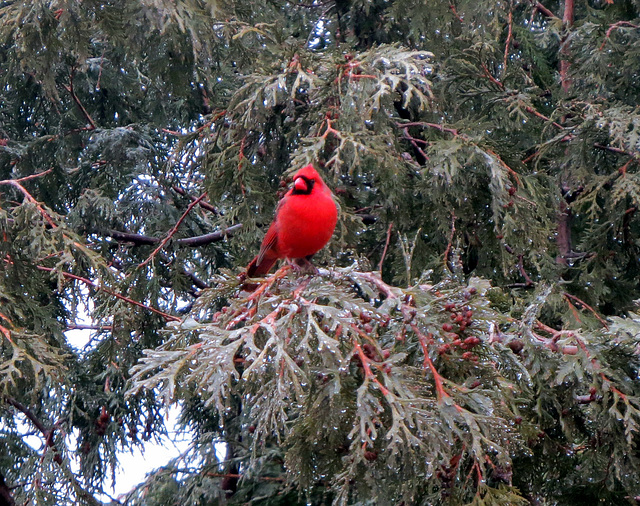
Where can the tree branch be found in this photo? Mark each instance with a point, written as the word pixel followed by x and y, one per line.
pixel 201 240
pixel 46 432
pixel 173 230
pixel 69 88
pixel 538 6
pixel 95 286
pixel 203 204
pixel 613 27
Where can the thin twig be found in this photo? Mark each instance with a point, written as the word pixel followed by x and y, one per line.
pixel 29 197
pixel 614 150
pixel 203 204
pixel 538 6
pixel 46 432
pixel 528 280
pixel 448 248
pixel 82 326
pixel 69 88
pixel 33 176
pixel 587 306
pixel 173 230
pixel 531 110
pixel 613 27
pixel 90 283
pixel 386 246
pixel 508 42
pixel 441 393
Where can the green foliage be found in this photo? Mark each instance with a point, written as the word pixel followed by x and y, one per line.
pixel 471 146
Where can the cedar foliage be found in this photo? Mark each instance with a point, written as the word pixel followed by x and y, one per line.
pixel 472 334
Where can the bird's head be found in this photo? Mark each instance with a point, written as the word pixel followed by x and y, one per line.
pixel 305 179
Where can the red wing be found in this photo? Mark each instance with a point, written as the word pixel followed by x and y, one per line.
pixel 269 244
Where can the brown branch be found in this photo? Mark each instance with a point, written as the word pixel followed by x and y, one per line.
pixel 613 27
pixel 414 142
pixel 201 240
pixel 614 150
pixel 29 197
pixel 238 476
pixel 45 431
pixel 441 393
pixel 538 6
pixel 366 364
pixel 567 21
pixel 69 88
pixel 386 246
pixel 489 76
pixel 508 42
pixel 569 297
pixel 567 17
pixel 5 493
pixel 137 239
pixel 528 281
pixel 465 138
pixel 531 110
pixel 33 176
pixel 447 250
pixel 202 204
pixel 82 326
pixel 173 230
pixel 95 286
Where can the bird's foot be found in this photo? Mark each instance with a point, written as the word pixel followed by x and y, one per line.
pixel 302 266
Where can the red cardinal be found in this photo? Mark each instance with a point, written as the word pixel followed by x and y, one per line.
pixel 305 220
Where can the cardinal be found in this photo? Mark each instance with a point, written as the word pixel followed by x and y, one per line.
pixel 304 222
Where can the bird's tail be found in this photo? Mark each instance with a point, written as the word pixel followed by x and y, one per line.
pixel 255 270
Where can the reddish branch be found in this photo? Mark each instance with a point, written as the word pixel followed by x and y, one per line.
pixel 366 365
pixel 567 21
pixel 47 432
pixel 615 150
pixel 95 286
pixel 75 98
pixel 173 230
pixel 428 363
pixel 528 281
pixel 508 42
pixel 563 236
pixel 414 142
pixel 570 297
pixel 615 26
pixel 531 110
pixel 544 10
pixel 386 246
pixel 203 204
pixel 29 197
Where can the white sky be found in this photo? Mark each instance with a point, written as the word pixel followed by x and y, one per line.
pixel 135 466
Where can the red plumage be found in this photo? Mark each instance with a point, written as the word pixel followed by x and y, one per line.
pixel 305 220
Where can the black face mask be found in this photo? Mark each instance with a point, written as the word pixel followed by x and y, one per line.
pixel 307 189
